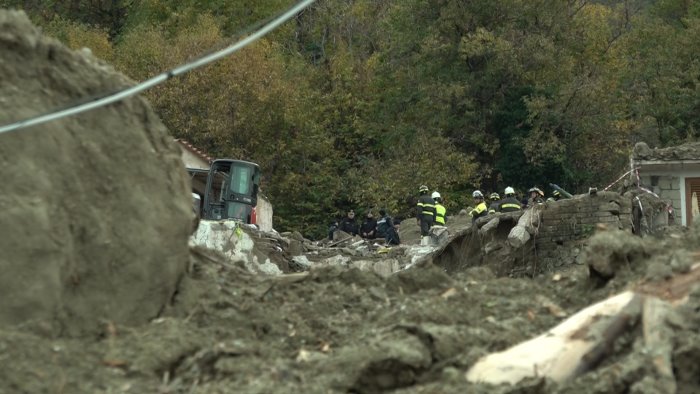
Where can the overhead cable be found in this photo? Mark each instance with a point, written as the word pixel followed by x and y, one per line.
pixel 158 79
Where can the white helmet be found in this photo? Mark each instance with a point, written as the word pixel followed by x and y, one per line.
pixel 509 190
pixel 436 195
pixel 477 194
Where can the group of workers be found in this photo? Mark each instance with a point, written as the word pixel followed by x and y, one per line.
pixel 386 227
pixel 430 212
pixel 509 203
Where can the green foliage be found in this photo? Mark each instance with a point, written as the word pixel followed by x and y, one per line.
pixel 77 36
pixel 357 102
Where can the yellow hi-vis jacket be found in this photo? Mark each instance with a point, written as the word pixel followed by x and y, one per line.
pixel 479 211
pixel 440 214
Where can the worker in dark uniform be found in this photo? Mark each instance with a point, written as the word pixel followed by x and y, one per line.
pixel 349 225
pixel 386 228
pixel 556 196
pixel 440 211
pixel 535 196
pixel 494 200
pixel 368 229
pixel 510 203
pixel 425 210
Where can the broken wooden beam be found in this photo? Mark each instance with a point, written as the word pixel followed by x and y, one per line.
pixel 568 350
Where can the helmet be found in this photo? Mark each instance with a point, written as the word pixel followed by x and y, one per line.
pixel 555 193
pixel 436 195
pixel 423 189
pixel 509 190
pixel 494 196
pixel 477 194
pixel 536 189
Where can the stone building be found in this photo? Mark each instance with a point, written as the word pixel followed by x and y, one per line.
pixel 672 173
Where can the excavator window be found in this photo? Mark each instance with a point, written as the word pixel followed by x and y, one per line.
pixel 240 180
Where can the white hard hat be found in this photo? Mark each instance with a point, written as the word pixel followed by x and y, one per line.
pixel 510 190
pixel 436 195
pixel 478 194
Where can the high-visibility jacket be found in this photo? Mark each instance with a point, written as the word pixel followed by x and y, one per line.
pixel 509 204
pixel 440 214
pixel 425 208
pixel 480 210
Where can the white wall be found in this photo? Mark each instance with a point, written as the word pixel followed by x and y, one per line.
pixel 193 161
pixel 264 212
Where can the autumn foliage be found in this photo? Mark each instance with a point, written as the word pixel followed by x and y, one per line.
pixel 354 103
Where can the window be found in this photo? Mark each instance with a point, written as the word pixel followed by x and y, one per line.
pixel 240 180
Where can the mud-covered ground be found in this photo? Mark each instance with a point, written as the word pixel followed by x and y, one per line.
pixel 335 330
pixel 331 330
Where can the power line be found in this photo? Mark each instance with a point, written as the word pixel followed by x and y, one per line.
pixel 158 79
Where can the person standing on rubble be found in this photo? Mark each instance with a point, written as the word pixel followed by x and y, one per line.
pixel 425 211
pixel 348 224
pixel 481 208
pixel 510 203
pixel 440 211
pixel 368 229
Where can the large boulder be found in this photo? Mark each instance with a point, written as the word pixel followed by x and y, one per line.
pixel 96 208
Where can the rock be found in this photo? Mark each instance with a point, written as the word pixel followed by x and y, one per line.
pixel 96 207
pixel 490 226
pixel 518 237
pixel 642 150
pixel 301 262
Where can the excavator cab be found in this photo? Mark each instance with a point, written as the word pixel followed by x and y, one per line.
pixel 231 191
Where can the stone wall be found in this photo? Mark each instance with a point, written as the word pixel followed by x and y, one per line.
pixel 667 188
pixel 566 224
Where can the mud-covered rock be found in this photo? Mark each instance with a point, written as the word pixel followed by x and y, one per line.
pixel 612 250
pixel 96 207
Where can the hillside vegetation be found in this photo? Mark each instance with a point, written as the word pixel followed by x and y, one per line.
pixel 354 103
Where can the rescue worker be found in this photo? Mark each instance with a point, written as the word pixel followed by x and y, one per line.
pixel 494 200
pixel 535 196
pixel 425 211
pixel 349 225
pixel 481 209
pixel 368 229
pixel 387 229
pixel 440 211
pixel 556 195
pixel 332 227
pixel 510 203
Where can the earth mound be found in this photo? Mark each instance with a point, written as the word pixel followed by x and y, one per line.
pixel 96 207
